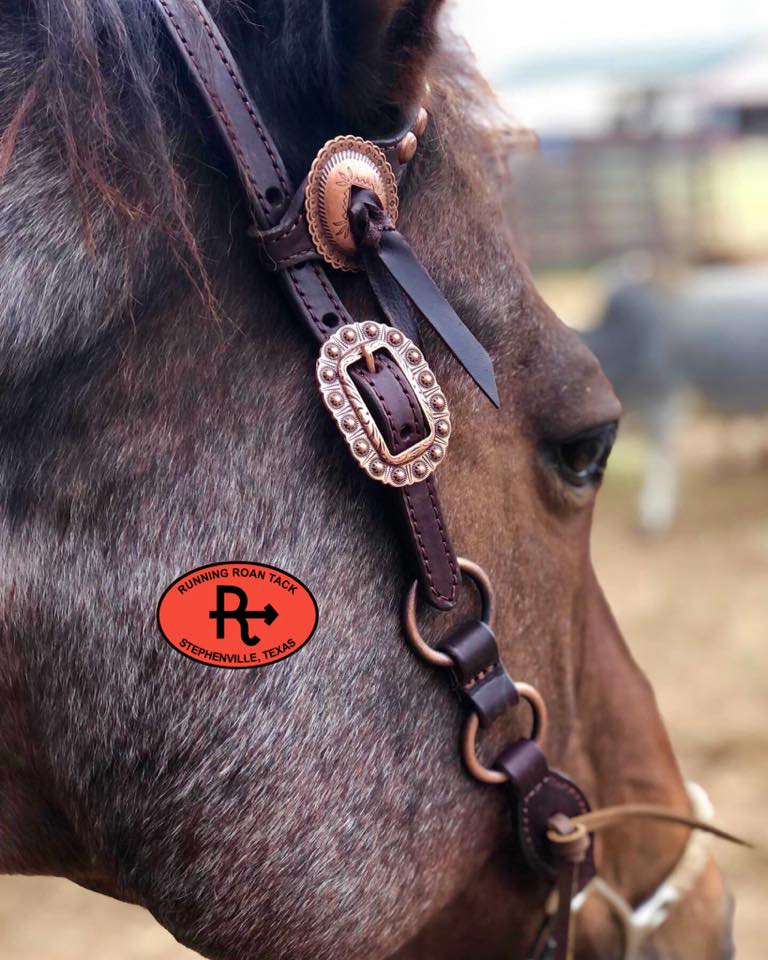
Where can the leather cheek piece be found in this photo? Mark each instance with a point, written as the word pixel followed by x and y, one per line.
pixel 398 416
pixel 278 215
pixel 540 792
pixel 391 402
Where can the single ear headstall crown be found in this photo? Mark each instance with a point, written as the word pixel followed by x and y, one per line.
pixel 393 415
pixel 345 213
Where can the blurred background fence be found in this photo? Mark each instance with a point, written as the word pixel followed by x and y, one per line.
pixel 690 196
pixel 668 153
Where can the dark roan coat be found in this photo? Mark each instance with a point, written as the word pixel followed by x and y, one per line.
pixel 158 412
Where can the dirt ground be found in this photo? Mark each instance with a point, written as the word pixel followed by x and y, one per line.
pixel 693 607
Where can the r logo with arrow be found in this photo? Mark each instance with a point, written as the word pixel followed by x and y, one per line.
pixel 208 613
pixel 241 613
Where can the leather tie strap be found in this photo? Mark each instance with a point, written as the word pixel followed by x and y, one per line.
pixel 606 817
pixel 400 260
pixel 279 214
pixel 367 220
pixel 375 234
pixel 573 845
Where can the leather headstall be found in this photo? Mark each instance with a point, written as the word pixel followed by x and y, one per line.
pixel 393 415
pixel 390 410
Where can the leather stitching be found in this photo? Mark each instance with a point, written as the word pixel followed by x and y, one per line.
pixel 444 538
pixel 480 675
pixel 223 115
pixel 298 257
pixel 329 292
pixel 561 785
pixel 307 305
pixel 243 95
pixel 449 555
pixel 449 598
pixel 397 373
pixel 220 109
pixel 280 232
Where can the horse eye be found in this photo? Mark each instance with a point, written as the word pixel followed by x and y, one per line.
pixel 581 459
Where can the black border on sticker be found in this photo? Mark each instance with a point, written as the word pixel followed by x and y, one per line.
pixel 221 563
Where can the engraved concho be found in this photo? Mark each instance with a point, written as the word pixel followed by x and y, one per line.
pixel 354 342
pixel 342 163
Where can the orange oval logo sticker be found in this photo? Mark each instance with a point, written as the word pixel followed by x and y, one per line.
pixel 237 615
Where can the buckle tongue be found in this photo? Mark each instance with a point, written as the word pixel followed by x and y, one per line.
pixel 360 341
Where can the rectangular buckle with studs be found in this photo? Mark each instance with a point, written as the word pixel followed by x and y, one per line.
pixel 360 341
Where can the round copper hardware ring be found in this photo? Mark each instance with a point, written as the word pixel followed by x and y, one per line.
pixel 469 735
pixel 412 632
pixel 343 163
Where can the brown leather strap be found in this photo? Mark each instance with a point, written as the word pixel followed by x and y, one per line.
pixel 597 820
pixel 306 282
pixel 216 74
pixel 399 418
pixel 480 676
pixel 538 793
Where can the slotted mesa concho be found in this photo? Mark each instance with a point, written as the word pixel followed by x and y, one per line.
pixel 342 163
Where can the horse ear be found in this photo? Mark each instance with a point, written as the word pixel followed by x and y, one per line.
pixel 378 51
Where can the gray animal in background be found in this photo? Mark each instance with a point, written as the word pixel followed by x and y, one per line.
pixel 659 348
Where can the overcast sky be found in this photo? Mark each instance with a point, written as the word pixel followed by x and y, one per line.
pixel 501 31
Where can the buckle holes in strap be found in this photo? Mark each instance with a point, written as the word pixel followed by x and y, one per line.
pixel 331 319
pixel 413 634
pixel 273 196
pixel 469 735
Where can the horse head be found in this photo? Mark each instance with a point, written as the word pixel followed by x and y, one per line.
pixel 159 412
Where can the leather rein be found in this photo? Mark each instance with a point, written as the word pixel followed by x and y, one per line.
pixel 393 415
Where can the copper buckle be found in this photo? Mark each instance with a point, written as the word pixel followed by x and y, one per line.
pixel 360 341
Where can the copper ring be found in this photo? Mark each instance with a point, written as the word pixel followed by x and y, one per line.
pixel 469 735
pixel 411 629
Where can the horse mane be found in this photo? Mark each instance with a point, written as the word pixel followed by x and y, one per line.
pixel 99 76
pixel 97 85
pixel 98 73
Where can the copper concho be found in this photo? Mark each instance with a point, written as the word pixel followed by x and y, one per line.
pixel 342 163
